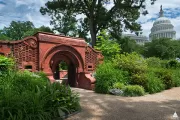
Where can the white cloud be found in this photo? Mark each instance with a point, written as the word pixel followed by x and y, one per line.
pixel 23 10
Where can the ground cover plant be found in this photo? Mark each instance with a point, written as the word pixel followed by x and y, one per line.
pixel 30 96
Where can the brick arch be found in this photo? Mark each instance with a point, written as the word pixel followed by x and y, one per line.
pixel 67 50
pixel 63 56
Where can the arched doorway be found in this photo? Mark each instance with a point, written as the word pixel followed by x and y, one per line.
pixel 61 72
pixel 65 54
pixel 72 66
pixel 65 76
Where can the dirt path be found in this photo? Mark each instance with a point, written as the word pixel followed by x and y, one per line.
pixel 160 106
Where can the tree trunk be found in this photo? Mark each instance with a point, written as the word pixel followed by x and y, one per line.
pixel 93 33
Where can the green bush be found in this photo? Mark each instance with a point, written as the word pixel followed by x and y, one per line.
pixel 138 79
pixel 133 90
pixel 28 96
pixel 25 80
pixel 164 63
pixel 153 62
pixel 176 77
pixel 172 64
pixel 165 75
pixel 154 84
pixel 118 85
pixel 133 63
pixel 6 63
pixel 107 75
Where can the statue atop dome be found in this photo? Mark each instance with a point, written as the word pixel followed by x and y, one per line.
pixel 161 13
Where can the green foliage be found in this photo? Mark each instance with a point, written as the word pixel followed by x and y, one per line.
pixel 6 63
pixel 176 77
pixel 63 66
pixel 17 29
pixel 21 83
pixel 3 36
pixel 107 45
pixel 165 75
pixel 154 62
pixel 35 30
pixel 28 96
pixel 133 63
pixel 118 85
pixel 21 29
pixel 133 90
pixel 154 84
pixel 107 75
pixel 163 48
pixel 172 64
pixel 97 16
pixel 65 23
pixel 129 45
pixel 138 79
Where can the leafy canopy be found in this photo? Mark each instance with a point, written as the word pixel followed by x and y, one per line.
pixel 17 29
pixel 163 48
pixel 107 45
pixel 20 29
pixel 129 45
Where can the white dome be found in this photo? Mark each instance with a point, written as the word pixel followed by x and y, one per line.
pixel 162 20
pixel 162 28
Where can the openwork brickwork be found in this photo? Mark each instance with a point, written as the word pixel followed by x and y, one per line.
pixel 26 54
pixel 38 52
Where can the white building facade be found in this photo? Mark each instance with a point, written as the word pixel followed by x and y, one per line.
pixel 140 39
pixel 162 28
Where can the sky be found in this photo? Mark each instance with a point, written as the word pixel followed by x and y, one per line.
pixel 28 10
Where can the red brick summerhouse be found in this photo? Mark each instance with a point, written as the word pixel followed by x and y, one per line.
pixel 44 52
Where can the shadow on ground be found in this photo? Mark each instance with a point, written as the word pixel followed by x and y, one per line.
pixel 159 106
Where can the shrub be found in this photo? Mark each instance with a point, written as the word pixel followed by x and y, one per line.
pixel 153 62
pixel 133 63
pixel 118 85
pixel 138 79
pixel 164 63
pixel 154 84
pixel 107 75
pixel 133 90
pixel 172 64
pixel 176 77
pixel 165 75
pixel 25 80
pixel 6 63
pixel 28 96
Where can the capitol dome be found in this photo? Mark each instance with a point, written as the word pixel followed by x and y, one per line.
pixel 162 28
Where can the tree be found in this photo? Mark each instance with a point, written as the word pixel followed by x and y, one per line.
pixel 17 29
pixel 129 45
pixel 65 23
pixel 35 30
pixel 98 14
pixel 107 45
pixel 163 48
pixel 20 29
pixel 3 36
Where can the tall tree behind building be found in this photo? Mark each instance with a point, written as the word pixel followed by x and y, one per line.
pixel 114 15
pixel 17 30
